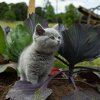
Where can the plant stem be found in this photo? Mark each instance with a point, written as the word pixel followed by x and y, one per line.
pixel 62 60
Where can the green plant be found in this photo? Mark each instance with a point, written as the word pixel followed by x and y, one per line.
pixel 80 43
pixel 2 41
pixel 17 40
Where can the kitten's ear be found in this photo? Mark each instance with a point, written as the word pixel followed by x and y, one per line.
pixel 39 29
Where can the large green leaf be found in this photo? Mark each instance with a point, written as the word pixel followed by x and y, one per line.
pixel 2 41
pixel 17 40
pixel 24 90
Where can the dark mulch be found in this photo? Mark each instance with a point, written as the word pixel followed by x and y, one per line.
pixel 60 87
pixel 7 79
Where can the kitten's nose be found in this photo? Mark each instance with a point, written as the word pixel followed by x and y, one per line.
pixel 58 41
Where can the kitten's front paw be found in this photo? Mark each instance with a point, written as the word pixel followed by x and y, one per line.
pixel 32 78
pixel 34 82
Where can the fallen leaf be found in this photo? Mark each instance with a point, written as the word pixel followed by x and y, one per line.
pixel 23 90
pixel 8 67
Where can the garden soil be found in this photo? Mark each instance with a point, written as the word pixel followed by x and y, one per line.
pixel 60 87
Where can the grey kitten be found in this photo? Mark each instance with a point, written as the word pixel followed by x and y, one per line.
pixel 36 60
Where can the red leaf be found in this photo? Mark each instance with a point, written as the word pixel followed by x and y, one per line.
pixel 54 71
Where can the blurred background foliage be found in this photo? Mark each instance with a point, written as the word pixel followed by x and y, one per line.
pixel 18 12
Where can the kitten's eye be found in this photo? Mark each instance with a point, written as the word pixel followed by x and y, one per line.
pixel 52 37
pixel 59 37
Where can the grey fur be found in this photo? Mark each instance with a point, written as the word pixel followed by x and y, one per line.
pixel 36 60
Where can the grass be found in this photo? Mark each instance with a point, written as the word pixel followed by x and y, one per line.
pixel 12 24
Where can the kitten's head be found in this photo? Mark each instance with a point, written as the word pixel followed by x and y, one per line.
pixel 46 40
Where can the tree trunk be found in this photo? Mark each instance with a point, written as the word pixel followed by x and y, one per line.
pixel 31 8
